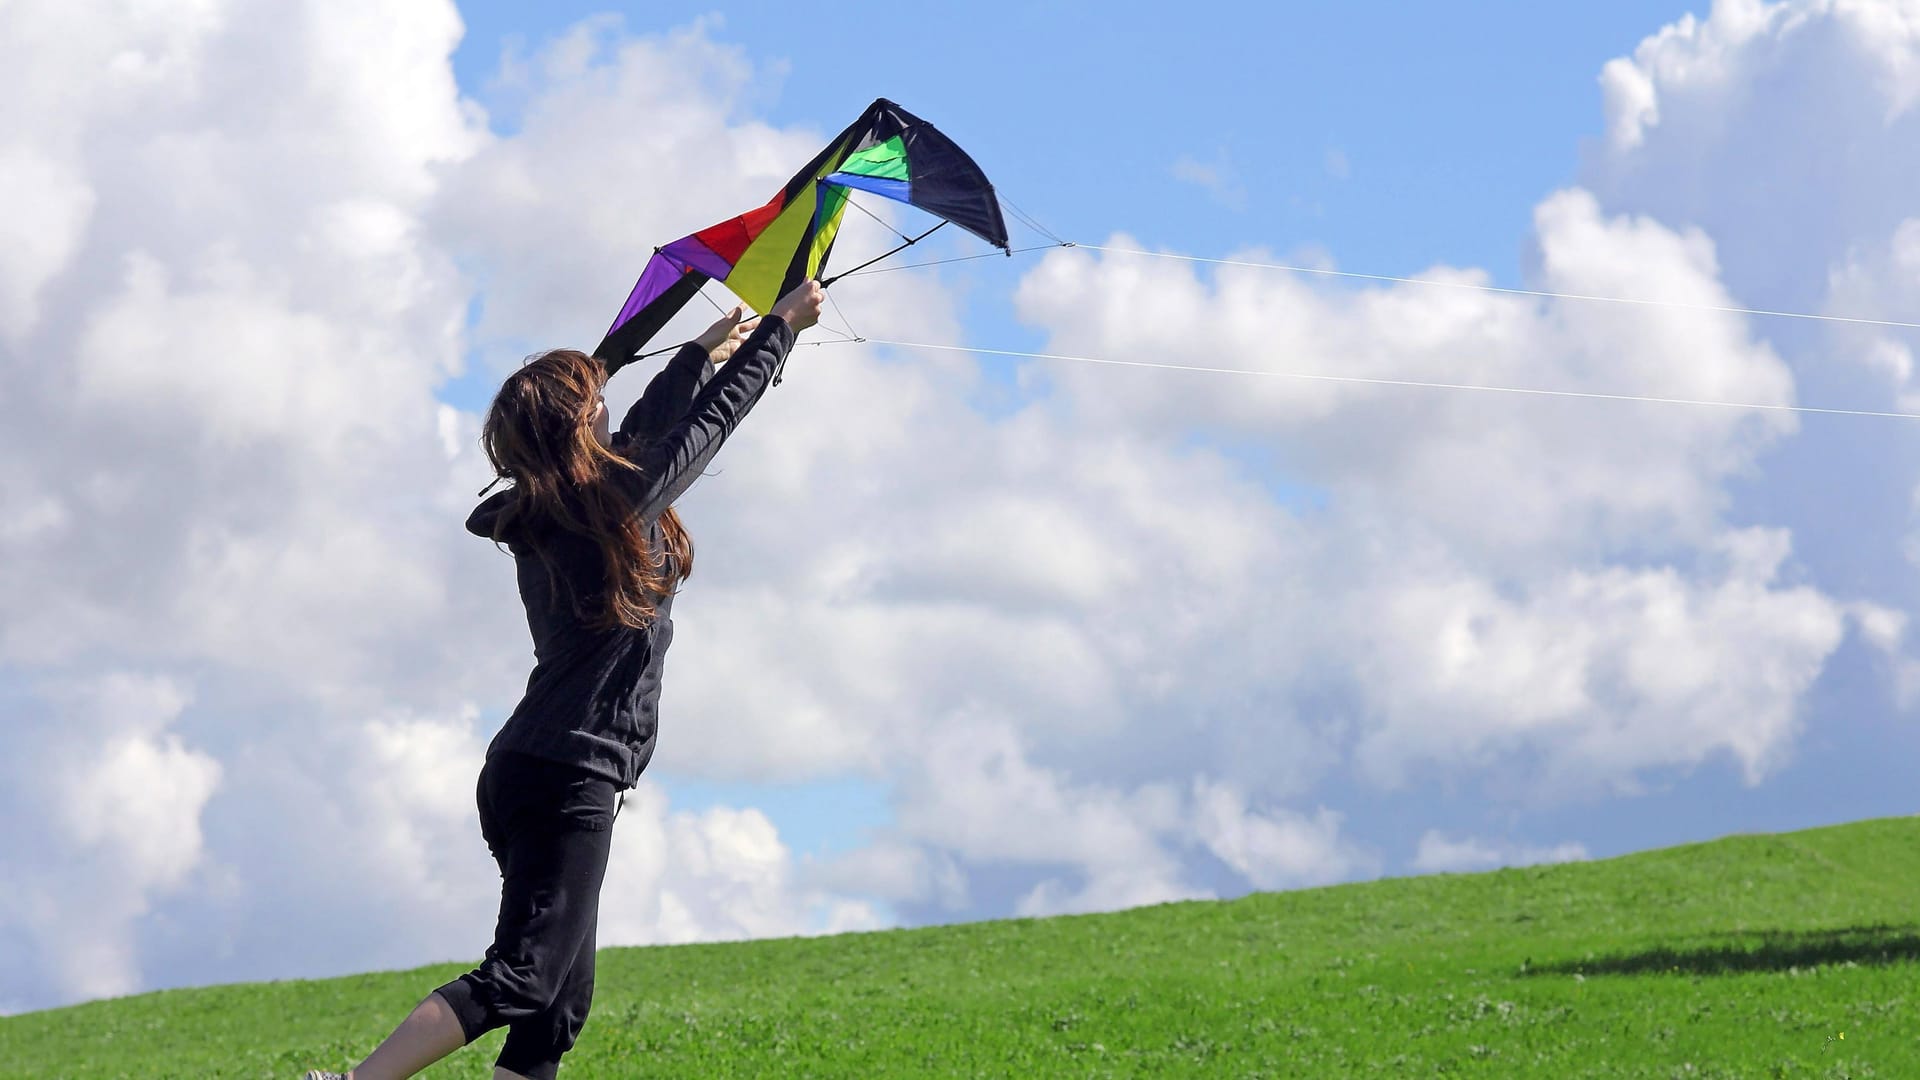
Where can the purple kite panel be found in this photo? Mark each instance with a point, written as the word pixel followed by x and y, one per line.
pixel 692 252
pixel 658 277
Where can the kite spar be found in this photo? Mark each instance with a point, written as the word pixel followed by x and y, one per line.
pixel 764 252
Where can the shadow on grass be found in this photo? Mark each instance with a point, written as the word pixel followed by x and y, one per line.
pixel 1759 950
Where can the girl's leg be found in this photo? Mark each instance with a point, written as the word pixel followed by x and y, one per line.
pixel 549 829
pixel 553 853
pixel 430 1032
pixel 536 1043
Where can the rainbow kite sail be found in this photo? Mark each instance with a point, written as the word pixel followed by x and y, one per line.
pixel 765 252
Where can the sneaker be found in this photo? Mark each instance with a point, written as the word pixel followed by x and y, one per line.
pixel 318 1074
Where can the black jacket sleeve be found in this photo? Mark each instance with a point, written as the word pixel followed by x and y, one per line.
pixel 669 464
pixel 668 396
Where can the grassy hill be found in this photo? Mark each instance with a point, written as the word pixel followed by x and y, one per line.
pixel 1744 957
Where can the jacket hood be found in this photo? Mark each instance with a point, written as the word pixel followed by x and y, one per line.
pixel 485 516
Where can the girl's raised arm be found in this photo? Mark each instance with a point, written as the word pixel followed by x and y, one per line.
pixel 667 397
pixel 670 464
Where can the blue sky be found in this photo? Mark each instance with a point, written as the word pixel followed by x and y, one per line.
pixel 1451 120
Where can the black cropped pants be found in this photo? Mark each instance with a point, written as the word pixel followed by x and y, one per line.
pixel 549 826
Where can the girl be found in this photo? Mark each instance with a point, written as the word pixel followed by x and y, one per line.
pixel 598 551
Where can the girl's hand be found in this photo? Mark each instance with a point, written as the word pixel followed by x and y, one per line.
pixel 722 338
pixel 801 307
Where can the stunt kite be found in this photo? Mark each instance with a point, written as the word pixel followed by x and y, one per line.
pixel 765 252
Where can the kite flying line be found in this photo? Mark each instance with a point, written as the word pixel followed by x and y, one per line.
pixel 1728 309
pixel 1058 242
pixel 1366 380
pixel 849 337
pixel 1317 377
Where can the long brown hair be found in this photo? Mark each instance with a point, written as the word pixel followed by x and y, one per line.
pixel 539 434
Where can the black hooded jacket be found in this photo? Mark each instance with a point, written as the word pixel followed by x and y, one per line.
pixel 593 698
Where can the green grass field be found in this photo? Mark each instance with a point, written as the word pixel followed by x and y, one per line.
pixel 1795 955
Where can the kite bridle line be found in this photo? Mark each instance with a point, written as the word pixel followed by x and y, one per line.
pixel 828 282
pixel 907 242
pixel 882 222
pixel 963 258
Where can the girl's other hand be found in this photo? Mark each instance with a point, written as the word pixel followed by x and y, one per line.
pixel 723 337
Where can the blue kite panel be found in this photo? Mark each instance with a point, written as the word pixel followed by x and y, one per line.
pixel 898 190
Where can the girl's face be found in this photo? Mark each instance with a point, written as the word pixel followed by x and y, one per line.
pixel 600 429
